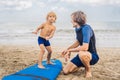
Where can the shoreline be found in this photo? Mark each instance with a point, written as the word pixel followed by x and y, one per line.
pixel 16 57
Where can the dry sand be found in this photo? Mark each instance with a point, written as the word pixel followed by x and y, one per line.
pixel 16 57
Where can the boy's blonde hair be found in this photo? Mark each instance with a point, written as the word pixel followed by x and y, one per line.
pixel 51 14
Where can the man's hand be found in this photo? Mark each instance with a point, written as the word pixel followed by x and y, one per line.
pixel 67 56
pixel 63 53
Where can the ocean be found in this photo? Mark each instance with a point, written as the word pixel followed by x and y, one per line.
pixel 107 34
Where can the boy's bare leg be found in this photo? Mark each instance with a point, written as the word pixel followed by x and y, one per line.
pixel 49 54
pixel 85 58
pixel 40 57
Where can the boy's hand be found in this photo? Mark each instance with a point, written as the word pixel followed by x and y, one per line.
pixel 47 38
pixel 35 32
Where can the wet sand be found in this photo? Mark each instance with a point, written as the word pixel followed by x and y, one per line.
pixel 16 57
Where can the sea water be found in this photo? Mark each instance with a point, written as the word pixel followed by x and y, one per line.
pixel 107 34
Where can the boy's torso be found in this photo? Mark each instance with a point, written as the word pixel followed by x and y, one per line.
pixel 46 30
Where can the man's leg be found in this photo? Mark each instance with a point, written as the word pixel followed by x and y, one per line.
pixel 69 68
pixel 86 57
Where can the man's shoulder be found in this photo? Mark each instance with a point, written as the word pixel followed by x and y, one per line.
pixel 87 28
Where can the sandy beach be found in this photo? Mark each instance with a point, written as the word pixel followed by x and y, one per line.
pixel 19 46
pixel 16 57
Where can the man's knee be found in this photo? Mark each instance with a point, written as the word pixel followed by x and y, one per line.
pixel 84 56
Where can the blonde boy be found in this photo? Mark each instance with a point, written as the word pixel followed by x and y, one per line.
pixel 47 30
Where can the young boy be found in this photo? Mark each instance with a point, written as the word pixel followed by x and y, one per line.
pixel 47 30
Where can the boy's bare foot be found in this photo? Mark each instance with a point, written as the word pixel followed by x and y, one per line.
pixel 88 74
pixel 49 62
pixel 41 66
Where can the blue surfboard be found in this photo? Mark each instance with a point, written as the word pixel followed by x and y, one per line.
pixel 50 72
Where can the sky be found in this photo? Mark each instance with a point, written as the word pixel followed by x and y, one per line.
pixel 33 11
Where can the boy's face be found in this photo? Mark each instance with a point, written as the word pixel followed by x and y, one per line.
pixel 51 18
pixel 73 22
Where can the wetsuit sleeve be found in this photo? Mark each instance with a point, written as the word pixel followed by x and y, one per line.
pixel 86 34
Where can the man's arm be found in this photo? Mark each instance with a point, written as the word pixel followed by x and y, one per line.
pixel 74 45
pixel 87 33
pixel 84 47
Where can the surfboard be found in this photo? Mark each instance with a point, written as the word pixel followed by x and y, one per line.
pixel 50 72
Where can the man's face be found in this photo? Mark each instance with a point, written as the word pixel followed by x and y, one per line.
pixel 73 22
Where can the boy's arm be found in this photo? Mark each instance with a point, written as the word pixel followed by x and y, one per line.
pixel 51 35
pixel 40 27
